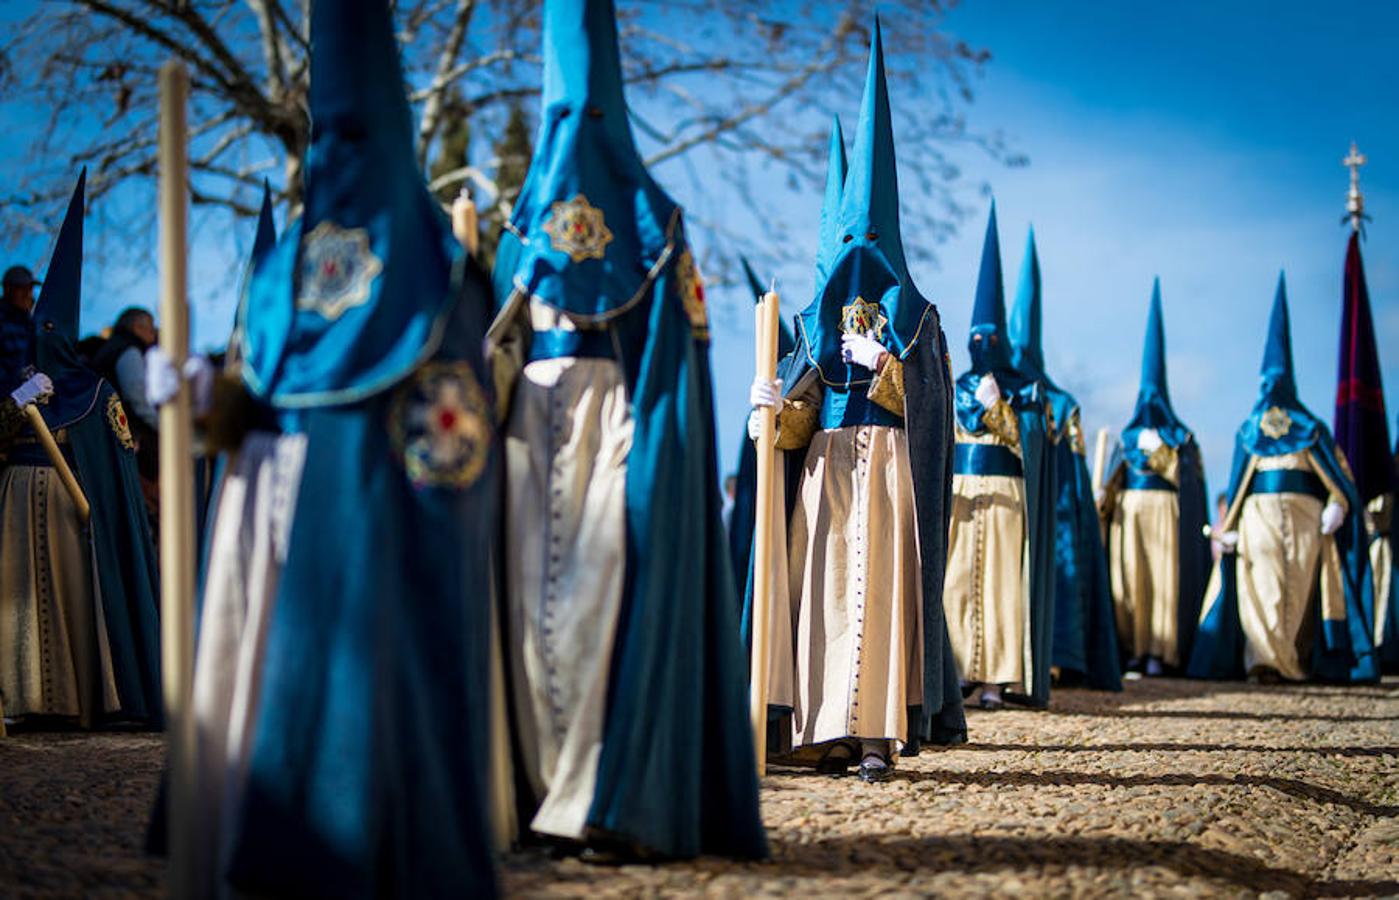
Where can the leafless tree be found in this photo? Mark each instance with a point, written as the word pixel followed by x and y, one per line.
pixel 739 87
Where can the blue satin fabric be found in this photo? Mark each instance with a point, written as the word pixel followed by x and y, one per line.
pixel 841 408
pixel 559 344
pixel 1341 651
pixel 986 459
pixel 1288 481
pixel 1134 480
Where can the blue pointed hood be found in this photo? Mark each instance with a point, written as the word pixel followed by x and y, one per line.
pixel 1279 422
pixel 266 237
pixel 828 244
pixel 1026 316
pixel 356 294
pixel 1153 397
pixel 591 229
pixel 868 288
pixel 56 319
pixel 990 338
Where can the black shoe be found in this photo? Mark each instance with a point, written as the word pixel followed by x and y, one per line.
pixel 1264 675
pixel 874 769
pixel 837 760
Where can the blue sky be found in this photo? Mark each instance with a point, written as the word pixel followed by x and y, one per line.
pixel 1198 141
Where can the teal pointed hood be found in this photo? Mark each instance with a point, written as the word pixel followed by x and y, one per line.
pixel 356 293
pixel 1279 422
pixel 266 237
pixel 828 243
pixel 1026 316
pixel 990 338
pixel 868 289
pixel 56 318
pixel 1154 408
pixel 591 230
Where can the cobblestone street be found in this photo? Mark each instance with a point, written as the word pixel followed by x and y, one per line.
pixel 1171 788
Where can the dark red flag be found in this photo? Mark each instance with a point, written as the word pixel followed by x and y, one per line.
pixel 1362 425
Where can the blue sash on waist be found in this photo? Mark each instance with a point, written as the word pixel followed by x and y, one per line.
pixel 559 344
pixel 846 408
pixel 1146 481
pixel 1288 481
pixel 986 459
pixel 31 453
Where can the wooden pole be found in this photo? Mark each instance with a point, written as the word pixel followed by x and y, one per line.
pixel 55 455
pixel 177 551
pixel 766 368
pixel 1100 460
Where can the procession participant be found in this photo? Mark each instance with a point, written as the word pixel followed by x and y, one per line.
pixel 1085 630
pixel 627 670
pixel 860 654
pixel 741 517
pixel 343 660
pixel 16 328
pixel 79 636
pixel 1292 598
pixel 1000 565
pixel 1155 502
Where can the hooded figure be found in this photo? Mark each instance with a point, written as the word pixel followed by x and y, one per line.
pixel 1158 554
pixel 1000 565
pixel 627 672
pixel 1291 597
pixel 343 658
pixel 1085 630
pixel 861 667
pixel 79 631
pixel 746 478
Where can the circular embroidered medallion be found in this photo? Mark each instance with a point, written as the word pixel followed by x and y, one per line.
pixel 116 419
pixel 861 316
pixel 338 269
pixel 691 287
pixel 1275 422
pixel 576 227
pixel 440 422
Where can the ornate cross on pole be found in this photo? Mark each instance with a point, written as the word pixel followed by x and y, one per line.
pixel 1355 201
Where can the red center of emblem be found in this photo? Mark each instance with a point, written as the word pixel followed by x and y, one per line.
pixel 446 420
pixel 329 268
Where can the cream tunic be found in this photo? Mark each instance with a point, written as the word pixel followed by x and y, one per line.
pixel 1378 524
pixel 54 656
pixel 568 435
pixel 1144 564
pixel 248 540
pixel 1281 548
pixel 847 645
pixel 986 595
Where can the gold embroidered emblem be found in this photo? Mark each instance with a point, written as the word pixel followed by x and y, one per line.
pixel 440 424
pixel 1049 424
pixel 863 317
pixel 1076 441
pixel 576 227
pixel 338 269
pixel 1275 423
pixel 691 287
pixel 116 419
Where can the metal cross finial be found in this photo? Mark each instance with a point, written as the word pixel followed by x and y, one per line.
pixel 1355 201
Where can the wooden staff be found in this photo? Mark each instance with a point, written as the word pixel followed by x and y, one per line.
pixel 1100 460
pixel 766 368
pixel 55 455
pixel 177 527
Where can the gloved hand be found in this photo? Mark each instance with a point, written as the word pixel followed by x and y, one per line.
pixel 1228 540
pixel 1148 440
pixel 988 392
pixel 862 350
pixel 765 393
pixel 1332 518
pixel 37 388
pixel 163 382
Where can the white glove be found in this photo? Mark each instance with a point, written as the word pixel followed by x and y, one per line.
pixel 1228 541
pixel 988 392
pixel 1148 441
pixel 862 350
pixel 163 382
pixel 1332 518
pixel 37 388
pixel 765 393
pixel 1099 496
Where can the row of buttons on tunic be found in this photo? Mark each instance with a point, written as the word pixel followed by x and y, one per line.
pixel 862 435
pixel 557 414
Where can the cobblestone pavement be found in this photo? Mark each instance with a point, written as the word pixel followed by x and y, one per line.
pixel 1171 788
